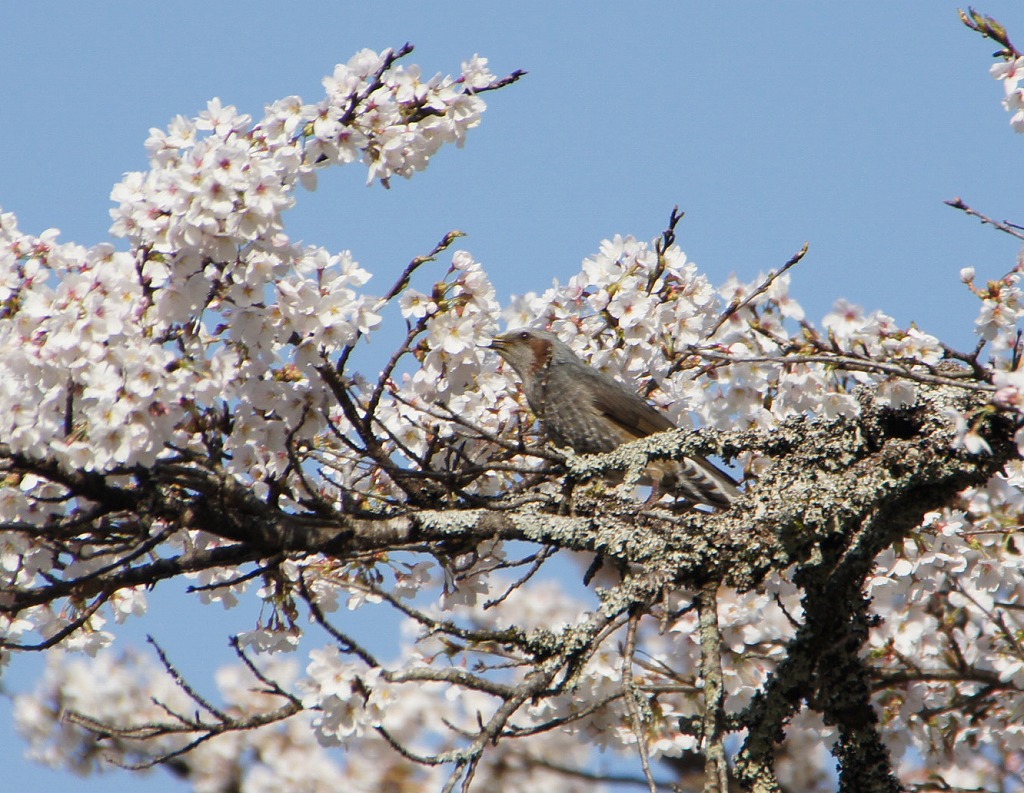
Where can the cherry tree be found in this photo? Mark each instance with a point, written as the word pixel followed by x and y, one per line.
pixel 199 403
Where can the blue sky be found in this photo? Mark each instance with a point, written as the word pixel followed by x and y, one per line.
pixel 842 124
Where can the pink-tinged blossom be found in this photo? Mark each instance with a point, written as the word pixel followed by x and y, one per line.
pixel 845 320
pixel 967 436
pixel 1010 390
pixel 1011 72
pixel 896 393
pixel 335 685
pixel 475 73
pixel 1002 307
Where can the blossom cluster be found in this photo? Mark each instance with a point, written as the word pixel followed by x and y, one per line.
pixel 116 349
pixel 956 584
pixel 213 317
pixel 131 686
pixel 999 319
pixel 352 706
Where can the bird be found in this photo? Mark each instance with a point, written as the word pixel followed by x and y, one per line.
pixel 592 413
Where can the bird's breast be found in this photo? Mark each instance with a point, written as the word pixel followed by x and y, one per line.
pixel 570 419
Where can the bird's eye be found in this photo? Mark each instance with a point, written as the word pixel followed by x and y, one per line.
pixel 524 335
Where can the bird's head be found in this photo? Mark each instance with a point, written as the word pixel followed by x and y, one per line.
pixel 530 351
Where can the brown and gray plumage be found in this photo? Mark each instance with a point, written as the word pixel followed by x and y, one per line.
pixel 591 413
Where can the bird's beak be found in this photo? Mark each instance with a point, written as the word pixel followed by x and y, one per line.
pixel 497 343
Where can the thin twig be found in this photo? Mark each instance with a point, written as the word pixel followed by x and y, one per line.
pixel 849 363
pixel 958 203
pixel 271 564
pixel 663 243
pixel 180 681
pixel 348 645
pixel 64 632
pixel 403 279
pixel 272 686
pixel 539 560
pixel 630 694
pixel 501 83
pixel 738 304
pixel 400 285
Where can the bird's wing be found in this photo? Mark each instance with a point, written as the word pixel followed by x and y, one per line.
pixel 692 477
pixel 627 410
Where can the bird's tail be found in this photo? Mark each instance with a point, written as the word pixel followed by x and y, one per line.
pixel 704 483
